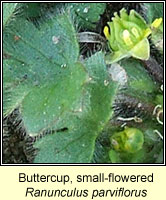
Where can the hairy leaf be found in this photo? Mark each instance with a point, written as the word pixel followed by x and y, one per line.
pixel 54 91
pixel 44 106
pixel 75 141
pixel 42 56
pixel 153 11
pixel 87 14
pixel 8 9
pixel 138 80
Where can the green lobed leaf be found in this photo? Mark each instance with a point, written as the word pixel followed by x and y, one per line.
pixel 87 14
pixel 15 85
pixel 55 92
pixel 77 143
pixel 54 44
pixel 44 106
pixel 41 56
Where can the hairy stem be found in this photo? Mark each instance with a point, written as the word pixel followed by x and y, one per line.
pixel 155 70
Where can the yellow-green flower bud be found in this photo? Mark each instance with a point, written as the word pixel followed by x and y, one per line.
pixel 156 23
pixel 129 140
pixel 128 36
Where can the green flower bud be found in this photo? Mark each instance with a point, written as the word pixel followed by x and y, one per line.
pixel 128 36
pixel 129 140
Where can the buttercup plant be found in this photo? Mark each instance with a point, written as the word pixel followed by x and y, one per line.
pixel 128 36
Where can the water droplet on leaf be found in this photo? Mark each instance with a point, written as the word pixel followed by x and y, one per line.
pixel 55 39
pixel 85 10
pixel 63 65
pixel 106 82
